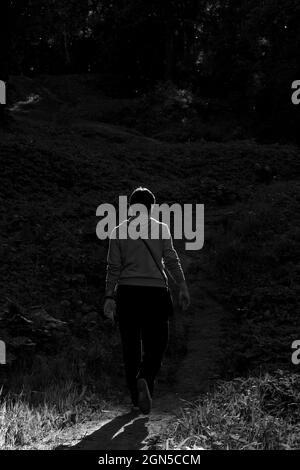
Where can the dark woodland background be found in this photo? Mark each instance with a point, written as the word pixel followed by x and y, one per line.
pixel 238 57
pixel 193 100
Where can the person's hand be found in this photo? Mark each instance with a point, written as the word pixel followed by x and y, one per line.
pixel 109 309
pixel 184 296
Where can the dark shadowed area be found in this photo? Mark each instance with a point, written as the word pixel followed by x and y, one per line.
pixel 193 100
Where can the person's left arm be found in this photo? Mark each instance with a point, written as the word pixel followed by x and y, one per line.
pixel 173 266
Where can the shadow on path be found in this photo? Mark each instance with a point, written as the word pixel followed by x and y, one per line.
pixel 127 431
pixel 198 368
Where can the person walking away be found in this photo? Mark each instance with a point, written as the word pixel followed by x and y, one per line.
pixel 137 294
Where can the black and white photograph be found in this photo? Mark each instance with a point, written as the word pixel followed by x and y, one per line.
pixel 149 230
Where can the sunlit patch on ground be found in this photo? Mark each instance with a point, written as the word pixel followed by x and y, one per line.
pixel 19 105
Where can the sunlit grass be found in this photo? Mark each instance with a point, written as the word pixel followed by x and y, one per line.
pixel 255 413
pixel 29 419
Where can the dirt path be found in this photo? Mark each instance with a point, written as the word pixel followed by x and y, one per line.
pixel 123 429
pixel 131 430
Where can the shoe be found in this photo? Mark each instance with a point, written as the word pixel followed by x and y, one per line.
pixel 145 401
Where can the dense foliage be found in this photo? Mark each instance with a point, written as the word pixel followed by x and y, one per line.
pixel 242 52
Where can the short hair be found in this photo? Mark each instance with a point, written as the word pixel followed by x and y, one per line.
pixel 142 196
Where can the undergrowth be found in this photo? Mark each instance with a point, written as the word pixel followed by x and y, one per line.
pixel 255 413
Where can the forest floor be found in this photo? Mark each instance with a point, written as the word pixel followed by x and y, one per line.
pixel 63 157
pixel 119 428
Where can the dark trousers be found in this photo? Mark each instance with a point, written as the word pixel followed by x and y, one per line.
pixel 144 327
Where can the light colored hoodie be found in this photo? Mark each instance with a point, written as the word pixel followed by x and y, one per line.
pixel 130 263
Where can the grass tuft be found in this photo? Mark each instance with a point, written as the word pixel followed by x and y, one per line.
pixel 257 413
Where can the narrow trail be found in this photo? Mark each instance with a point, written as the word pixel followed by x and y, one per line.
pixel 131 430
pixel 121 429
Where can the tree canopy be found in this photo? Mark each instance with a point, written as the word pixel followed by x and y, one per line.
pixel 243 49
